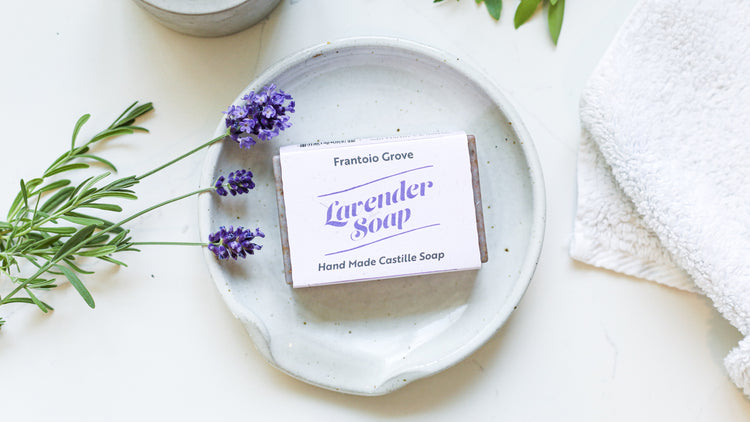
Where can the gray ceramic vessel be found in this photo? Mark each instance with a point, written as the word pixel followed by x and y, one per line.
pixel 208 18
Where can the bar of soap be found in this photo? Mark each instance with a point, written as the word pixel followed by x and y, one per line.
pixel 370 209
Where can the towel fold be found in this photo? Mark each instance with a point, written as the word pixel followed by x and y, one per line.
pixel 664 161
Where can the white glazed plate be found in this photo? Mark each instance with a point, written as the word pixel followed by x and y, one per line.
pixel 374 337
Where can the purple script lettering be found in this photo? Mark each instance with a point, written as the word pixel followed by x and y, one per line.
pixel 339 215
pixel 363 226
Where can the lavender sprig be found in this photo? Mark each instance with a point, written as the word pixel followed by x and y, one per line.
pixel 48 229
pixel 236 183
pixel 263 115
pixel 234 243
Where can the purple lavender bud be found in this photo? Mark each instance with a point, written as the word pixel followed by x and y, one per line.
pixel 259 99
pixel 247 125
pixel 219 186
pixel 236 183
pixel 269 112
pixel 236 112
pixel 262 116
pixel 246 142
pixel 233 243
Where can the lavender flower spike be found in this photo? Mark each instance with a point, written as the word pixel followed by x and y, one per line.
pixel 234 243
pixel 237 183
pixel 263 115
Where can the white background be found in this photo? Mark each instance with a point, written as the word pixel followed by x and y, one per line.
pixel 584 345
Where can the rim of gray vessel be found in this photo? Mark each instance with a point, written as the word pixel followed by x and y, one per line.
pixel 199 7
pixel 208 18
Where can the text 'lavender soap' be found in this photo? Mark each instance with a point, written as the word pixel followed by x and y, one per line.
pixel 379 208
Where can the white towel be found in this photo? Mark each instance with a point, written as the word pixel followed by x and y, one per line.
pixel 664 163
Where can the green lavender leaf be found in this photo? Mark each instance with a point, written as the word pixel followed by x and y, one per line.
pixel 69 262
pixel 77 190
pixel 110 226
pixel 123 195
pixel 119 237
pixel 553 2
pixel 77 284
pixel 113 261
pixel 56 199
pixel 109 133
pixel 61 159
pixel 36 236
pixel 45 242
pixel 87 187
pixel 58 230
pixel 41 305
pixel 105 207
pixel 99 159
pixel 52 186
pixel 81 121
pixel 15 206
pixel 101 221
pixel 494 7
pixel 524 11
pixel 33 184
pixel 42 283
pixel 115 123
pixel 98 240
pixel 555 19
pixel 132 114
pixel 24 193
pixel 100 251
pixel 19 300
pixel 67 167
pixel 123 183
pixel 75 242
pixel 84 221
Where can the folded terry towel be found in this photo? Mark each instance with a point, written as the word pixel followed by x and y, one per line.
pixel 664 163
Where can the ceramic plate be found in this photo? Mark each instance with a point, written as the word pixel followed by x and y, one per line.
pixel 373 337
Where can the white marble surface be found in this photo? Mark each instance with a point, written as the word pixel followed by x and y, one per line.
pixel 584 344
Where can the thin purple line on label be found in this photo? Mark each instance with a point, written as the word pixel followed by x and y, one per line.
pixel 380 240
pixel 376 180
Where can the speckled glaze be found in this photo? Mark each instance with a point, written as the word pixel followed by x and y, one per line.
pixel 374 337
pixel 208 18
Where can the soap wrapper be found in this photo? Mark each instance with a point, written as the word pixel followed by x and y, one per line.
pixel 367 209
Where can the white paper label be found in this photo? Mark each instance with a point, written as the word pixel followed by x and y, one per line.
pixel 370 209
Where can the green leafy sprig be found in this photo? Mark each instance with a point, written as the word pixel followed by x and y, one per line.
pixel 46 228
pixel 526 9
pixel 49 227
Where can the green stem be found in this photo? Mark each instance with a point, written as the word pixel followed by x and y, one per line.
pixel 23 285
pixel 170 243
pixel 75 205
pixel 153 207
pixel 34 225
pixel 193 151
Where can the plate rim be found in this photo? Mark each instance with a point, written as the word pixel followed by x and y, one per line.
pixel 254 325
